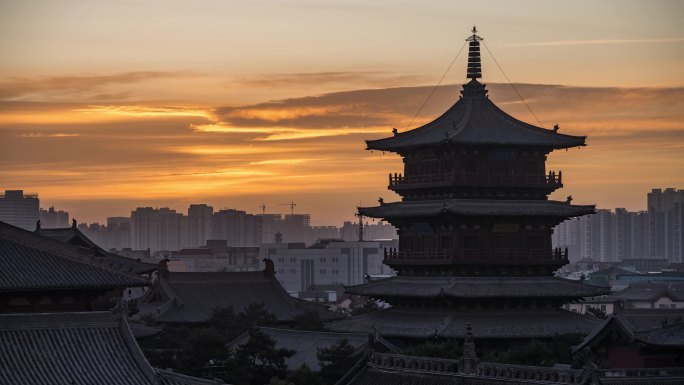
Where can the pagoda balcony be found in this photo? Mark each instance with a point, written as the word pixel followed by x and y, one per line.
pixel 397 182
pixel 447 257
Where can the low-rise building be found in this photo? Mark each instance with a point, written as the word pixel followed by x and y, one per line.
pixel 329 261
pixel 190 298
pixel 216 256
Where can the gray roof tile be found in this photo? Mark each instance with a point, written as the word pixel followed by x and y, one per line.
pixel 92 348
pixel 31 262
pixel 424 323
pixel 74 236
pixel 475 287
pixel 192 297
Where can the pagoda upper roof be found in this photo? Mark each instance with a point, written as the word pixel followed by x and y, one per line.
pixel 476 120
pixel 192 297
pixel 475 287
pixel 31 262
pixel 74 236
pixel 476 207
pixel 77 348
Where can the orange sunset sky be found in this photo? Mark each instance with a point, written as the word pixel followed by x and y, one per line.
pixel 110 105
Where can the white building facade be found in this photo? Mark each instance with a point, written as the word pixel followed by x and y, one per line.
pixel 331 262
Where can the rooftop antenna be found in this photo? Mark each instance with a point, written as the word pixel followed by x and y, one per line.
pixel 358 214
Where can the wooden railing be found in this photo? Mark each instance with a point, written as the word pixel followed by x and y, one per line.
pixel 642 372
pixel 520 373
pixel 485 370
pixel 450 255
pixel 553 179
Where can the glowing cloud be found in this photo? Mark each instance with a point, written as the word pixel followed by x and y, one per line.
pixel 144 111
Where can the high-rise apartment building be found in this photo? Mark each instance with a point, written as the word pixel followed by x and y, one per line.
pixel 623 235
pixel 292 227
pixel 53 219
pixel 19 209
pixel 665 223
pixel 158 229
pixel 199 224
pixel 237 227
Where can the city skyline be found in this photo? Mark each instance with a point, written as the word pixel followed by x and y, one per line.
pixel 238 105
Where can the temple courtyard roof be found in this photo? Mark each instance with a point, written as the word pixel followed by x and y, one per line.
pixel 90 348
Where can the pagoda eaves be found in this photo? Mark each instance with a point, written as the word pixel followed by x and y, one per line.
pixel 475 121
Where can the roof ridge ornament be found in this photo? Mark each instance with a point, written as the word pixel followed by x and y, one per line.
pixel 474 62
pixel 474 72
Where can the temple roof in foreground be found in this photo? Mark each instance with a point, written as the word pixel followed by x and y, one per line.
pixel 487 323
pixel 654 327
pixel 92 348
pixel 192 297
pixel 475 287
pixel 31 262
pixel 475 120
pixel 74 236
pixel 476 207
pixel 306 344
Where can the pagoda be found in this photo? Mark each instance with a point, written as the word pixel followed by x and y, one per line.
pixel 475 226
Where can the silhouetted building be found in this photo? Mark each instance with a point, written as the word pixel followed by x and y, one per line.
pixel 638 339
pixel 238 228
pixel 52 218
pixel 118 233
pixel 371 231
pixel 19 209
pixel 216 256
pixel 292 227
pixel 316 233
pixel 666 224
pixel 190 298
pixel 199 224
pixel 158 229
pixel 605 237
pixel 44 274
pixel 474 228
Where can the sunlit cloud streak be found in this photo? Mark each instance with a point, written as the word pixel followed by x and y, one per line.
pixel 597 42
pixel 315 145
pixel 144 111
pixel 61 87
pixel 368 78
pixel 55 135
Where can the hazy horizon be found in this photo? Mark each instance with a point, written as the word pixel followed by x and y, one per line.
pixel 110 106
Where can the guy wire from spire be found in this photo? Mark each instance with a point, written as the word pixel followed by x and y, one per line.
pixel 512 85
pixel 435 87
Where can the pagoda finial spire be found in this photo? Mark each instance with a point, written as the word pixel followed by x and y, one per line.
pixel 474 62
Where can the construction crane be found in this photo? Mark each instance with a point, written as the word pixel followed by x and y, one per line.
pixel 263 209
pixel 291 204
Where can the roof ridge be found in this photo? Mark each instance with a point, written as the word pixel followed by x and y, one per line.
pixel 65 250
pixel 134 349
pixel 466 117
pixel 360 335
